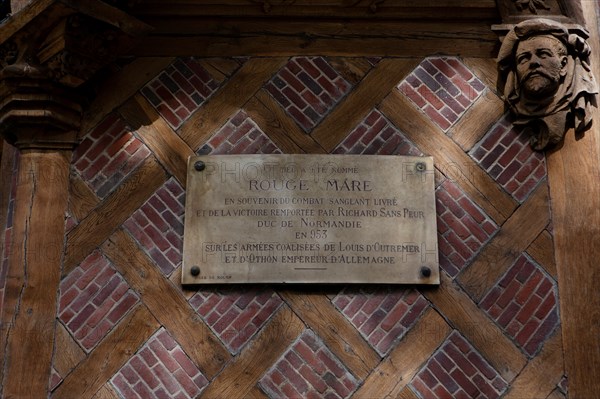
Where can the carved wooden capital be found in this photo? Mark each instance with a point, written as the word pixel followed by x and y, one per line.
pixel 48 51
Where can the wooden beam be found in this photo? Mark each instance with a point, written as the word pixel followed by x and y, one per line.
pixel 514 237
pixel 109 356
pixel 34 271
pixel 414 44
pixel 573 173
pixel 6 176
pixel 542 374
pixel 166 303
pixel 406 9
pixel 391 376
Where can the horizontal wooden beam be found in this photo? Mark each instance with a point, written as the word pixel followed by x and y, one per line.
pixel 417 9
pixel 259 37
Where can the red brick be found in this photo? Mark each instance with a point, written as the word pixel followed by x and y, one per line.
pixel 529 287
pixel 508 315
pixel 186 383
pixel 509 294
pixel 148 357
pixel 392 318
pixel 422 388
pixel 144 372
pixel 309 357
pixel 444 378
pixel 481 365
pixel 290 392
pixel 461 361
pixel 165 377
pixel 430 97
pixel 464 382
pixel 126 303
pixel 292 376
pixel 546 306
pixel 123 387
pixel 527 331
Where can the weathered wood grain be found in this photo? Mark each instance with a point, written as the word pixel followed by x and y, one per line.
pixel 514 237
pixel 363 99
pixel 109 356
pixel 486 69
pixel 229 99
pixel 82 199
pixel 170 150
pixel 477 120
pixel 542 251
pixel 112 212
pixel 234 36
pixel 351 69
pixel 389 378
pixel 219 68
pixel 241 376
pixel 6 173
pixel 480 187
pixel 573 175
pixel 279 126
pixel 33 276
pixel 166 303
pixel 68 354
pixel 407 393
pixel 336 331
pixel 423 9
pixel 106 392
pixel 539 378
pixel 464 314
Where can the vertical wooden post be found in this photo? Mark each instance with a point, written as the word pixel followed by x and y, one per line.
pixel 574 177
pixel 34 271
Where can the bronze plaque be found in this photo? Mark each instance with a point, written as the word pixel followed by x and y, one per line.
pixel 310 219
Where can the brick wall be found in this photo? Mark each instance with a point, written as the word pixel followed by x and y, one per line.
pixel 521 304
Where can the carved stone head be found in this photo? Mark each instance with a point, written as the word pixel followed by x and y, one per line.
pixel 548 84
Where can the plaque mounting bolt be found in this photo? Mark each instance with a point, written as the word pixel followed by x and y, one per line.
pixel 199 166
pixel 421 167
pixel 195 271
pixel 425 272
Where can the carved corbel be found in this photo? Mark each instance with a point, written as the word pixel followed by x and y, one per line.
pixel 47 54
pixel 546 79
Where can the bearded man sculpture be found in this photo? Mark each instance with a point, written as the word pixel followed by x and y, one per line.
pixel 548 84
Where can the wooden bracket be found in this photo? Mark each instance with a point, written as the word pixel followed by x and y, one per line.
pixel 49 50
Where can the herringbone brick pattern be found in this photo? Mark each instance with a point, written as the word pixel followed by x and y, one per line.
pixel 93 298
pixel 236 315
pixel 160 369
pixel 443 88
pixel 506 155
pixel 382 316
pixel 456 370
pixel 180 90
pixel 524 304
pixel 108 154
pixel 308 87
pixel 377 136
pixel 240 135
pixel 158 226
pixel 463 228
pixel 308 370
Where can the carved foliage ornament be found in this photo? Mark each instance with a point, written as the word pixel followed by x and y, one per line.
pixel 548 83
